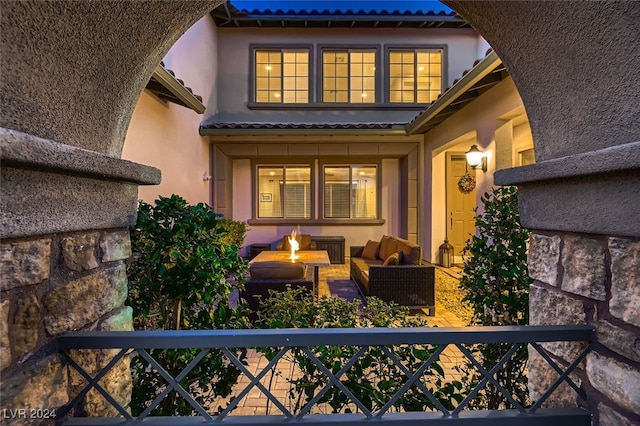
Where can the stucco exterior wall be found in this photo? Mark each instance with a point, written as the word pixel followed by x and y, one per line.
pixel 354 234
pixel 474 124
pixel 53 60
pixel 461 50
pixel 165 135
pixel 71 75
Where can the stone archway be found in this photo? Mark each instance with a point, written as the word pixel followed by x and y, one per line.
pixel 72 72
pixel 71 75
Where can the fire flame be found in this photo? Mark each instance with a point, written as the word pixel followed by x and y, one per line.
pixel 294 245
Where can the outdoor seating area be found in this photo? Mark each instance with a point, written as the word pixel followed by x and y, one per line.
pixel 392 269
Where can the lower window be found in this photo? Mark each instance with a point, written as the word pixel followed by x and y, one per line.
pixel 350 192
pixel 284 192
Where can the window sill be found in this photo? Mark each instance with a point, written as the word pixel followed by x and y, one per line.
pixel 331 222
pixel 338 106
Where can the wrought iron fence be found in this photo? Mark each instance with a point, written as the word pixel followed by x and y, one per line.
pixel 305 342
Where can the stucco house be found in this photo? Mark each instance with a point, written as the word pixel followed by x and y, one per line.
pixel 74 106
pixel 346 123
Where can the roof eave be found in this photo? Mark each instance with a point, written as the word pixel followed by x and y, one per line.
pixel 349 17
pixel 187 98
pixel 466 82
pixel 395 131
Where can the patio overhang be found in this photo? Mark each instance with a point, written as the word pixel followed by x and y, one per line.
pixel 486 73
pixel 301 129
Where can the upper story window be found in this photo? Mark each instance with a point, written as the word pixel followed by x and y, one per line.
pixel 349 75
pixel 303 76
pixel 281 75
pixel 284 191
pixel 415 75
pixel 350 192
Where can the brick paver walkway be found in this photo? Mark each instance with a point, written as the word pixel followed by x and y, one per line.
pixel 255 402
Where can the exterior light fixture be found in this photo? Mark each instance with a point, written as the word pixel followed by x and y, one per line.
pixel 446 254
pixel 476 159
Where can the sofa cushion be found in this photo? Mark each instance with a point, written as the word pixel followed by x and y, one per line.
pixel 360 263
pixel 411 254
pixel 364 279
pixel 393 259
pixel 371 250
pixel 277 270
pixel 388 246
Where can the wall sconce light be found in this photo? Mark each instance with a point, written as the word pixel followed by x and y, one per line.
pixel 476 159
pixel 206 177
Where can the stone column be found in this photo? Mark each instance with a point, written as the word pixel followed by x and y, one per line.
pixel 582 197
pixel 72 73
pixel 588 279
pixel 65 238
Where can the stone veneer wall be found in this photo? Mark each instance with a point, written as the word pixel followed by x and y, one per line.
pixel 54 284
pixel 590 279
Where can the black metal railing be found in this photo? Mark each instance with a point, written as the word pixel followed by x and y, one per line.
pixel 284 341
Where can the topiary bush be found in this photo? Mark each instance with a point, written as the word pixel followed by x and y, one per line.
pixel 184 266
pixel 496 282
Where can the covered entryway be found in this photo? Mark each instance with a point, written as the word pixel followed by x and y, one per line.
pixel 460 205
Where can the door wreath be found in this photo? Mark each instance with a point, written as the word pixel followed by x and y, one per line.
pixel 467 183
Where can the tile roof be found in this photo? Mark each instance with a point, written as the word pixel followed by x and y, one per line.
pixel 165 85
pixel 486 73
pixel 228 16
pixel 294 126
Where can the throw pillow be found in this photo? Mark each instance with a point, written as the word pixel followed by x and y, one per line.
pixel 393 259
pixel 370 250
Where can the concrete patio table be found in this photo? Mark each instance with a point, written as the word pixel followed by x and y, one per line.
pixel 313 258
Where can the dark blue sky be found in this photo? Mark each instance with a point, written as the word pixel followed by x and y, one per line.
pixel 342 5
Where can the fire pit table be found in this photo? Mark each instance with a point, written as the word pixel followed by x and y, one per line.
pixel 313 258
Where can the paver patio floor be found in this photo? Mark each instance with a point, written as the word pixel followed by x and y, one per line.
pixel 255 402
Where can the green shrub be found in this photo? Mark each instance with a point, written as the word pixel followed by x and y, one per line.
pixel 180 278
pixel 373 378
pixel 496 282
pixel 235 232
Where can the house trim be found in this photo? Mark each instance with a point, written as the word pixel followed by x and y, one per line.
pixel 388 48
pixel 424 121
pixel 173 90
pixel 252 104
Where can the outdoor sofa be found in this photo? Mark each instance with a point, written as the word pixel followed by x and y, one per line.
pixel 392 269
